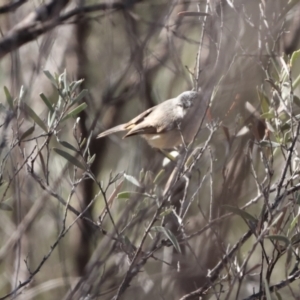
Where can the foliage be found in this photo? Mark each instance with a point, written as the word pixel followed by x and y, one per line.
pixel 83 218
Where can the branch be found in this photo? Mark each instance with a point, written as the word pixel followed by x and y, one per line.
pixel 276 286
pixel 11 6
pixel 34 24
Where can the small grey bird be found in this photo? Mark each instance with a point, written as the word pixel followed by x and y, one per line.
pixel 167 124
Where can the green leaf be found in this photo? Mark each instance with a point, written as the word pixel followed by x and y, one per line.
pixel 296 82
pixel 81 95
pixel 88 143
pixel 75 84
pixel 82 143
pixel 28 132
pixel 128 194
pixel 268 115
pixel 35 117
pixel 43 163
pixel 278 296
pixel 124 195
pixel 51 78
pixel 240 212
pixel 169 235
pixel 295 220
pixel 9 98
pixel 51 118
pixel 295 57
pixel 73 160
pixel 159 176
pixel 74 112
pixel 132 179
pixel 279 238
pixel 295 239
pixel 166 212
pixel 68 145
pixel 91 160
pixel 47 102
pixel 296 100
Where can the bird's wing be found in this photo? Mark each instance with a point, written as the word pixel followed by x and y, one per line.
pixel 140 118
pixel 143 124
pixel 127 126
pixel 141 129
pixel 138 126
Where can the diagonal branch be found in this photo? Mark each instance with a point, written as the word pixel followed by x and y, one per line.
pixel 42 21
pixel 11 6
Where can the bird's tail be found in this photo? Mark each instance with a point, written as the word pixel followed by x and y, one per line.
pixel 112 130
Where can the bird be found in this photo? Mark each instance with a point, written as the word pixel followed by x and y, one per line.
pixel 167 125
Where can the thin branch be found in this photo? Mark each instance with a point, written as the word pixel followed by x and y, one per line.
pixel 30 29
pixel 11 6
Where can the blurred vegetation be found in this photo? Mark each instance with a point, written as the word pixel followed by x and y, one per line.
pixel 112 218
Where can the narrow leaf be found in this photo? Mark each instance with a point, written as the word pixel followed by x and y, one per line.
pixel 295 239
pixel 296 82
pixel 73 160
pixel 279 238
pixel 278 296
pixel 170 236
pixel 28 132
pixel 128 194
pixel 91 160
pixel 74 112
pixel 132 179
pixel 47 102
pixel 166 212
pixel 75 84
pixel 51 78
pixel 88 143
pixel 9 98
pixel 240 212
pixel 268 115
pixel 295 57
pixel 35 117
pixel 294 222
pixel 192 14
pixel 43 163
pixel 51 118
pixel 159 176
pixel 124 195
pixel 296 100
pixel 68 145
pixel 80 96
pixel 82 143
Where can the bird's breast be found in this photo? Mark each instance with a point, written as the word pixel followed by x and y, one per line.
pixel 165 140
